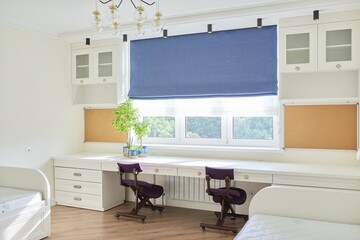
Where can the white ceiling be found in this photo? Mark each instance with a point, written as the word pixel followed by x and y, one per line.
pixel 70 19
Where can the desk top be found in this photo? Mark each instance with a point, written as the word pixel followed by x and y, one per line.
pixel 283 168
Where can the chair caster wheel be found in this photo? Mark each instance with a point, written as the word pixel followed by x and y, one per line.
pixel 234 232
pixel 143 220
pixel 161 210
pixel 203 228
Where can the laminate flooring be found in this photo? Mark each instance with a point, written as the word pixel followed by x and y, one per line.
pixel 174 223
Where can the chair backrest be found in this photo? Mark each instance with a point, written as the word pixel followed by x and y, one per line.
pixel 129 168
pixel 219 173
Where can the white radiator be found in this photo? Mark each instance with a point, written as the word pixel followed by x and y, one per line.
pixel 189 189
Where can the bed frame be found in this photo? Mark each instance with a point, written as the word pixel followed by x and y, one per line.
pixel 32 223
pixel 332 205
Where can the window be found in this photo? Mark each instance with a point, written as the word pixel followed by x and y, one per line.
pixel 243 122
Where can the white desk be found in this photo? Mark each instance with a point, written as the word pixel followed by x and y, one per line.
pixel 316 175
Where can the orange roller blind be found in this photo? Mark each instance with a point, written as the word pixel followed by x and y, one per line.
pixel 321 127
pixel 98 127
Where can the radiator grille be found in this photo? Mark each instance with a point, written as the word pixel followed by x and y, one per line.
pixel 190 189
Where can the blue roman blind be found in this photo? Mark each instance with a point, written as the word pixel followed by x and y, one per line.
pixel 239 62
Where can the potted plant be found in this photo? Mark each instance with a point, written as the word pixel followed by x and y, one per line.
pixel 141 129
pixel 126 116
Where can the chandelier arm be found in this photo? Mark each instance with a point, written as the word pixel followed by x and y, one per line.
pixel 105 2
pixel 119 4
pixel 133 4
pixel 149 4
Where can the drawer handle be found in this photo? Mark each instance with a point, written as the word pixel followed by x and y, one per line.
pixel 198 173
pixel 104 80
pixel 338 65
pixel 246 176
pixel 77 198
pixel 77 186
pixel 81 81
pixel 297 68
pixel 156 170
pixel 77 174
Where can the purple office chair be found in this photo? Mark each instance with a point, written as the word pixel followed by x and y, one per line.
pixel 225 196
pixel 142 190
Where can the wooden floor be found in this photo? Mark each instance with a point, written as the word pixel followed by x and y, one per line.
pixel 173 223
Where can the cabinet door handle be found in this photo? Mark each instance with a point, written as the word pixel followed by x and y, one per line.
pixel 297 68
pixel 77 198
pixel 77 186
pixel 156 170
pixel 77 174
pixel 198 173
pixel 246 176
pixel 338 65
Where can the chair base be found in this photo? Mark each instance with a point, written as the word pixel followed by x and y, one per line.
pixel 225 228
pixel 233 216
pixel 130 215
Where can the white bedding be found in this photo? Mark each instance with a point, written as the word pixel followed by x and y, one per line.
pixel 12 199
pixel 269 227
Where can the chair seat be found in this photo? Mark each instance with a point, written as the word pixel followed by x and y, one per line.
pixel 147 189
pixel 236 195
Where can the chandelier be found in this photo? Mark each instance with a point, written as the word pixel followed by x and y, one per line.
pixel 140 16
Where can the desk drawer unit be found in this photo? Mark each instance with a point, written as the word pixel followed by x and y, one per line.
pixel 87 188
pixel 159 170
pixel 253 177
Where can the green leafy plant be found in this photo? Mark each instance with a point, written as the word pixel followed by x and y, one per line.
pixel 141 129
pixel 126 116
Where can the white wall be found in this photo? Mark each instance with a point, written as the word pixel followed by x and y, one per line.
pixel 35 101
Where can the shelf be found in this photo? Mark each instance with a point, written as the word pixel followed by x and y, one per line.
pixel 297 49
pixel 339 46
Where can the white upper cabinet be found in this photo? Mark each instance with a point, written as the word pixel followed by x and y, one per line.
pixel 338 45
pixel 94 65
pixel 330 44
pixel 298 46
pixel 99 73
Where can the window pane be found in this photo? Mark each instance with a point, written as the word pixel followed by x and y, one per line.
pixel 253 128
pixel 161 127
pixel 203 127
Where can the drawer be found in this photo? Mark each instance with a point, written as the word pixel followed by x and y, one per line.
pixel 191 172
pixel 172 171
pixel 78 174
pixel 79 200
pixel 253 177
pixel 317 181
pixel 78 187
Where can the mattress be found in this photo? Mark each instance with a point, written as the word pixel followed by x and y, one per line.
pixel 12 199
pixel 268 227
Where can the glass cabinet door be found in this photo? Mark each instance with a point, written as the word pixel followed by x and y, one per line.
pixel 81 66
pixel 104 64
pixel 298 49
pixel 337 45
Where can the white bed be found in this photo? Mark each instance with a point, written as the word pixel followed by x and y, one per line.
pixel 24 204
pixel 303 213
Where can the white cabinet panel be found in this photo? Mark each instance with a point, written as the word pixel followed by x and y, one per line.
pixel 253 177
pixel 78 187
pixel 298 48
pixel 339 45
pixel 192 172
pixel 78 174
pixel 79 200
pixel 317 181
